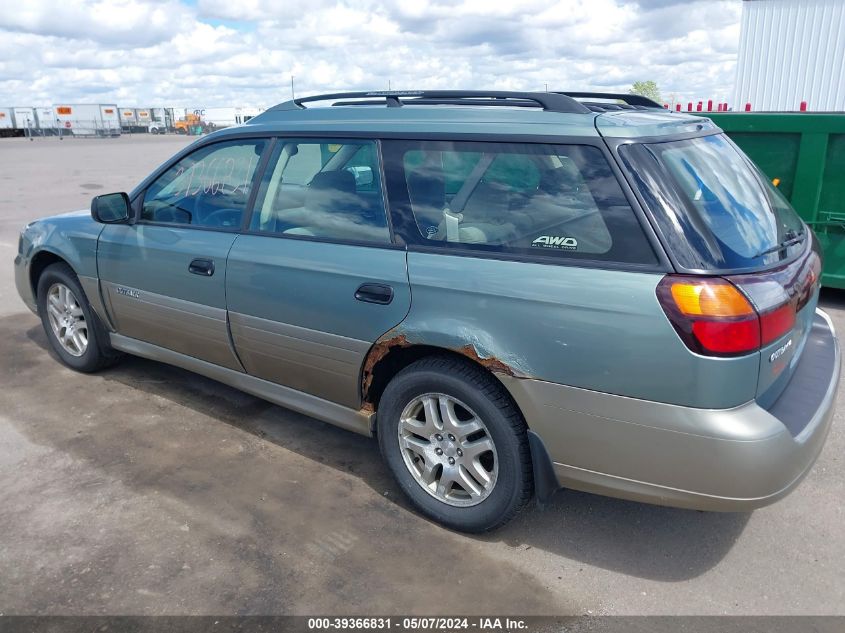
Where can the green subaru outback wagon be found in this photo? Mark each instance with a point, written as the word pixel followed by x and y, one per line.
pixel 514 292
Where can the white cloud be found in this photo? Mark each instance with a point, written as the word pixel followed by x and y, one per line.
pixel 220 52
pixel 115 23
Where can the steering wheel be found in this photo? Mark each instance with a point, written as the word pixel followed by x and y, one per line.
pixel 224 217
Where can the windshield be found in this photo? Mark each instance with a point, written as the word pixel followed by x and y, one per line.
pixel 715 209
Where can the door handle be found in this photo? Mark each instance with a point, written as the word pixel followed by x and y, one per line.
pixel 374 293
pixel 204 267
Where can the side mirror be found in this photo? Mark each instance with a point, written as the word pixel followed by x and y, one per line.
pixel 111 208
pixel 363 175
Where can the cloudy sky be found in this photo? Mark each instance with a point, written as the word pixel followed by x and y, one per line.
pixel 243 52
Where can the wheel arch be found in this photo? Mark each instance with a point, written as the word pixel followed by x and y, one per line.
pixel 39 262
pixel 395 350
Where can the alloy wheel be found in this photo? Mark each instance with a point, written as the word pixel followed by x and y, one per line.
pixel 448 449
pixel 67 320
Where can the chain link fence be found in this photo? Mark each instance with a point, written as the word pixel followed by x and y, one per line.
pixel 77 128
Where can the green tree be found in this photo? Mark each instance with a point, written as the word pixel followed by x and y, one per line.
pixel 646 89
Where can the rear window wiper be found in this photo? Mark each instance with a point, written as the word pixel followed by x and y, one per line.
pixel 791 238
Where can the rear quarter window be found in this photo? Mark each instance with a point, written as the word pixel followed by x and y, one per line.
pixel 560 201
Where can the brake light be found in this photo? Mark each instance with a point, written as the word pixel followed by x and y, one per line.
pixel 727 338
pixel 776 323
pixel 713 317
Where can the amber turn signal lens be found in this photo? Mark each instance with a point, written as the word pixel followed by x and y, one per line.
pixel 710 298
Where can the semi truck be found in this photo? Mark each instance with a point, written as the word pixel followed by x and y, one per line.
pixel 215 118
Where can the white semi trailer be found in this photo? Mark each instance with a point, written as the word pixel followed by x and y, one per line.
pixel 7 122
pixel 127 118
pixel 45 119
pixel 20 121
pixel 135 119
pixel 88 119
pixel 143 118
pixel 24 118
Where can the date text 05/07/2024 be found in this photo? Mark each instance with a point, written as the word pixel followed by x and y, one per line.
pixel 481 624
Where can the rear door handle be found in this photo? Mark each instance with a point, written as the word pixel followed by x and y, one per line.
pixel 374 293
pixel 204 267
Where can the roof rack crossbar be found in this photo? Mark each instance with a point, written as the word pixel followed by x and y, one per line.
pixel 633 100
pixel 549 101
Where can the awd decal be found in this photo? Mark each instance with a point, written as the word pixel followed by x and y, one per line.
pixel 129 292
pixel 555 241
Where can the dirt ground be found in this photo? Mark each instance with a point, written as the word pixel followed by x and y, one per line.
pixel 148 490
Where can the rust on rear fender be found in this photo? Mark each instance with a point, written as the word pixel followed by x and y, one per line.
pixel 392 340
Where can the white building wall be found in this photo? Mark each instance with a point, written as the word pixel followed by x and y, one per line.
pixel 791 51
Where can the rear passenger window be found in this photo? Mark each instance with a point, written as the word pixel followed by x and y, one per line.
pixel 559 200
pixel 323 189
pixel 208 188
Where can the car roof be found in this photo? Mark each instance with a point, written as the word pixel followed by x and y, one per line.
pixel 425 114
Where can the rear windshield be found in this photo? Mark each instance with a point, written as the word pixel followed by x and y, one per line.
pixel 715 209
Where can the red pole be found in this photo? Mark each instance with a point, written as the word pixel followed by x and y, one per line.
pixel 710 105
pixel 678 107
pixel 803 106
pixel 665 106
pixel 748 107
pixel 698 107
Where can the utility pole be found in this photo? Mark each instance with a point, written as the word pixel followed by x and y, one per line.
pixel 291 88
pixel 547 87
pixel 388 84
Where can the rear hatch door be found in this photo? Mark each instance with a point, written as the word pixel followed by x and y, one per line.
pixel 718 215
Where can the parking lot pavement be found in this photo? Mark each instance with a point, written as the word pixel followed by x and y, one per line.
pixel 148 490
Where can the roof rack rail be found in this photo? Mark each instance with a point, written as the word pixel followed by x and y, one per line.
pixel 633 100
pixel 603 106
pixel 513 103
pixel 549 101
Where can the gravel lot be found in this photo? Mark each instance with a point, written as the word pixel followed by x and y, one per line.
pixel 148 490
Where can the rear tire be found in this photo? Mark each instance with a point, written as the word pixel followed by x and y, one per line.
pixel 72 327
pixel 456 444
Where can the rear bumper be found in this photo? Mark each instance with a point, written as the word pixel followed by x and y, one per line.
pixel 708 459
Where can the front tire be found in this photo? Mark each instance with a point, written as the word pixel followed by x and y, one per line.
pixel 71 325
pixel 456 444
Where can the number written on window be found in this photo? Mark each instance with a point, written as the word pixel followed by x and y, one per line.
pixel 208 188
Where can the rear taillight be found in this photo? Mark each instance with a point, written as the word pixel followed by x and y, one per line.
pixel 713 317
pixel 776 323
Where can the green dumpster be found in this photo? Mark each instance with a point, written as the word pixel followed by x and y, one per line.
pixel 805 152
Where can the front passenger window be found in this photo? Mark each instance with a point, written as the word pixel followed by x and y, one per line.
pixel 323 189
pixel 208 188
